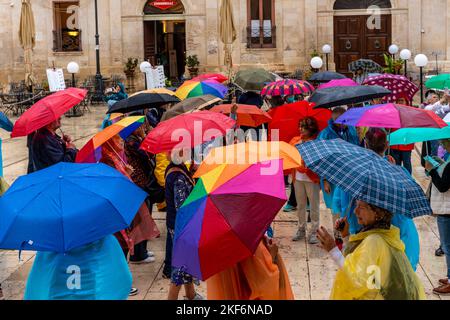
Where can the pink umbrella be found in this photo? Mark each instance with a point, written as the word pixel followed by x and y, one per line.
pixel 339 83
pixel 399 85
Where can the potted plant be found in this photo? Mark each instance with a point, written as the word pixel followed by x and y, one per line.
pixel 192 63
pixel 130 67
pixel 393 66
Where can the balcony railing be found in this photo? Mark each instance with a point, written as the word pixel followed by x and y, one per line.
pixel 261 37
pixel 67 40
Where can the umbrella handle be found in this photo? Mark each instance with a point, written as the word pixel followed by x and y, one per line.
pixel 114 150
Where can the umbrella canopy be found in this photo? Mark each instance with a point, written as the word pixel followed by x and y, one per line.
pixel 190 105
pixel 439 82
pixel 211 76
pixel 47 110
pixel 227 30
pixel 247 153
pixel 247 115
pixel 399 85
pixel 253 79
pixel 191 89
pixel 415 135
pixel 157 90
pixel 225 217
pixel 287 117
pixel 287 88
pixel 393 116
pixel 67 206
pixel 5 123
pixel 366 176
pixel 142 101
pixel 326 76
pixel 187 131
pixel 27 38
pixel 339 83
pixel 339 96
pixel 366 65
pixel 91 152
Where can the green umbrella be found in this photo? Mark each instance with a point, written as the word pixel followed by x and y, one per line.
pixel 414 135
pixel 439 82
pixel 253 79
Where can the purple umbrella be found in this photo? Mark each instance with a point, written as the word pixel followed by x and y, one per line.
pixel 339 83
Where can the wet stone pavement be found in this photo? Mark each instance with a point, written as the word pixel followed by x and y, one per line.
pixel 310 270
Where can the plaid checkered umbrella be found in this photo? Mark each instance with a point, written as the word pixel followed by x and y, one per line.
pixel 366 65
pixel 366 176
pixel 287 88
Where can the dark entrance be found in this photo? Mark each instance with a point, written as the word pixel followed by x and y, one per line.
pixel 165 44
pixel 353 40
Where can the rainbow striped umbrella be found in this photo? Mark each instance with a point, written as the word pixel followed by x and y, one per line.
pixel 192 88
pixel 91 152
pixel 287 87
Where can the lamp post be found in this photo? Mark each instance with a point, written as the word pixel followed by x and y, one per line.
pixel 326 49
pixel 393 50
pixel 98 94
pixel 405 55
pixel 144 66
pixel 73 68
pixel 421 61
pixel 316 63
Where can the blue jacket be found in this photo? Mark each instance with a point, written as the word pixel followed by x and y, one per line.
pixel 121 95
pixel 331 132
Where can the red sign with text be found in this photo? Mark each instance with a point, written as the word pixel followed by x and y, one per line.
pixel 163 5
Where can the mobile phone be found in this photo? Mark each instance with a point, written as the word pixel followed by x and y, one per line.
pixel 432 161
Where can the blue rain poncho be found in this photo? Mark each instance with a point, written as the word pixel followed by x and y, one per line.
pixel 97 271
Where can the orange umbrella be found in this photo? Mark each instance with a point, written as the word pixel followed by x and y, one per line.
pixel 247 115
pixel 243 155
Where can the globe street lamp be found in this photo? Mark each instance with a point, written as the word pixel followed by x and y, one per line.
pixel 144 67
pixel 73 68
pixel 421 61
pixel 316 63
pixel 327 50
pixel 393 50
pixel 405 55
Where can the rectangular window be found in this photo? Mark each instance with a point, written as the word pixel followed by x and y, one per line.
pixel 66 32
pixel 261 28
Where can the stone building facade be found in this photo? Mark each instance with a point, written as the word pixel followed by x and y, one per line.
pixel 302 27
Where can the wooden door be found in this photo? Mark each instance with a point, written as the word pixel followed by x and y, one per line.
pixel 353 40
pixel 150 41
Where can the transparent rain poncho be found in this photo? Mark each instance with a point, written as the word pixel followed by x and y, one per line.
pixel 376 268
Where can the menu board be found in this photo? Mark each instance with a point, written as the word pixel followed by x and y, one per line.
pixel 155 77
pixel 55 79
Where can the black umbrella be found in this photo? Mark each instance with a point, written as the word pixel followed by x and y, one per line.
pixel 142 101
pixel 339 96
pixel 326 76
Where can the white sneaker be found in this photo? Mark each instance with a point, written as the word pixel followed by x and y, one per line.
pixel 150 253
pixel 133 292
pixel 148 260
pixel 300 235
pixel 197 297
pixel 313 239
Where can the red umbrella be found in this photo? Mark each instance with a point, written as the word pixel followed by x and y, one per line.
pixel 187 131
pixel 247 115
pixel 47 110
pixel 211 76
pixel 287 117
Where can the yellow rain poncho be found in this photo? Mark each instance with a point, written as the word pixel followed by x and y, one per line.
pixel 377 268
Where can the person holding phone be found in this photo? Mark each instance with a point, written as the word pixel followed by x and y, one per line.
pixel 440 196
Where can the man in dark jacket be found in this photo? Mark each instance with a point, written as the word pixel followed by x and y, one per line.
pixel 47 148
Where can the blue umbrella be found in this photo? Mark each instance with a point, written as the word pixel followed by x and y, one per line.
pixel 5 123
pixel 67 206
pixel 366 176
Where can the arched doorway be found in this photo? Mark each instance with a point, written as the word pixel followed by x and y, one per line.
pixel 165 36
pixel 362 30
